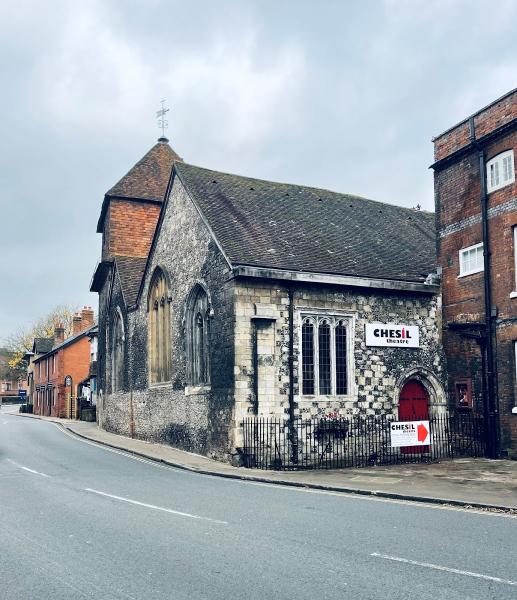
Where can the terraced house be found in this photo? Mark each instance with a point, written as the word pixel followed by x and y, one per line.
pixel 223 297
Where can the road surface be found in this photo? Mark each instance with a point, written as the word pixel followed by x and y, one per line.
pixel 78 520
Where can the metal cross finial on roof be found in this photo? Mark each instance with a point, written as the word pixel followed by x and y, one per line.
pixel 162 121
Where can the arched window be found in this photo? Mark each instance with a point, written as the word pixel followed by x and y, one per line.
pixel 159 315
pixel 197 322
pixel 308 357
pixel 118 353
pixel 326 359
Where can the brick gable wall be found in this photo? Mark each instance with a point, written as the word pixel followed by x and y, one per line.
pixel 129 228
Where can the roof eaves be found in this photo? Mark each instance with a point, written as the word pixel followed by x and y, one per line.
pixel 334 279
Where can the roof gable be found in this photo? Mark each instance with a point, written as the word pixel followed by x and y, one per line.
pixel 283 226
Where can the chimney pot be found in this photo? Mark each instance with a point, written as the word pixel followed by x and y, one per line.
pixel 59 334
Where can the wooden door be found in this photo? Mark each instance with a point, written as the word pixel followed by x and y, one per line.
pixel 414 406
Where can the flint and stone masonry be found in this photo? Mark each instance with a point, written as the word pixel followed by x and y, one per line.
pixel 265 253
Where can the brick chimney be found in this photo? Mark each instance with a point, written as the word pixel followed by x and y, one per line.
pixel 77 324
pixel 59 334
pixel 87 317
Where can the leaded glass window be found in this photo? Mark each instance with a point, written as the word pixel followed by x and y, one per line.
pixel 197 321
pixel 325 355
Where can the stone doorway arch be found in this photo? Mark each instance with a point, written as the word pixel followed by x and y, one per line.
pixel 432 385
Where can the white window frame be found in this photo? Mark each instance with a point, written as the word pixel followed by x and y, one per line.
pixel 333 317
pixel 497 164
pixel 464 251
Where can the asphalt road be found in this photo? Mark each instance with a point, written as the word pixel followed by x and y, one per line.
pixel 78 520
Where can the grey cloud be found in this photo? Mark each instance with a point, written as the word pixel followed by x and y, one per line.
pixel 336 94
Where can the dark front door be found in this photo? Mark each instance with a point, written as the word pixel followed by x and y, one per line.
pixel 414 406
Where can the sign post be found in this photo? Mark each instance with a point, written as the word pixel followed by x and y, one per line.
pixel 69 408
pixel 409 433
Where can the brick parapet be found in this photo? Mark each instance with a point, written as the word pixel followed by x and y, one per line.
pixel 496 115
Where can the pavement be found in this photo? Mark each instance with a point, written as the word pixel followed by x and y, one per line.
pixel 474 482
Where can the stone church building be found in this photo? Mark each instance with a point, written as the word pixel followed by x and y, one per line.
pixel 222 297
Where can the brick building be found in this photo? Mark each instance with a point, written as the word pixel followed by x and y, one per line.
pixel 256 298
pixel 40 346
pixel 476 217
pixel 58 373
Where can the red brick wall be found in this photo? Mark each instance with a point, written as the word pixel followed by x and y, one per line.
pixel 129 228
pixel 485 121
pixel 73 360
pixel 458 217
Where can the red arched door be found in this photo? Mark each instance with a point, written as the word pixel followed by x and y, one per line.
pixel 414 406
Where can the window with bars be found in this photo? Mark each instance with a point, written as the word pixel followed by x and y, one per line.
pixel 325 356
pixel 500 171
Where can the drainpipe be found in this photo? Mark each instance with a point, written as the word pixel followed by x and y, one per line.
pixel 292 428
pixel 291 354
pixel 492 403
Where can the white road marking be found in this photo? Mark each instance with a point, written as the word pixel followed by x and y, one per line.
pixel 27 469
pixel 154 507
pixel 446 569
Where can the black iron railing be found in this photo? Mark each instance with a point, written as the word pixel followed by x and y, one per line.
pixel 359 441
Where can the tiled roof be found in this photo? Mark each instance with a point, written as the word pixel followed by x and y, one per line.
pixel 130 270
pixel 69 340
pixel 148 179
pixel 42 345
pixel 297 228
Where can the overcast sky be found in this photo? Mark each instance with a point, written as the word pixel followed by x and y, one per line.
pixel 336 94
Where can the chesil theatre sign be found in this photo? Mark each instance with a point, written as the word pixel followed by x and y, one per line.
pixel 389 334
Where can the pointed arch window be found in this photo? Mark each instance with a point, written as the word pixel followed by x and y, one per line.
pixel 198 335
pixel 326 355
pixel 118 353
pixel 159 317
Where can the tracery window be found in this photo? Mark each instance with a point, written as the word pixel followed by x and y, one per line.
pixel 159 323
pixel 325 360
pixel 118 353
pixel 198 335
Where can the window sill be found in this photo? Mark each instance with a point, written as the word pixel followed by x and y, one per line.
pixel 326 398
pixel 471 273
pixel 197 390
pixel 160 385
pixel 513 294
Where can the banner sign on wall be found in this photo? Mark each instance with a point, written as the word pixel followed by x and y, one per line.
pixel 388 334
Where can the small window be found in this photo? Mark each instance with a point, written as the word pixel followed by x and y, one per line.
pixel 471 260
pixel 500 171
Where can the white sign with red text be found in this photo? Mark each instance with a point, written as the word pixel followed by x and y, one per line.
pixel 409 433
pixel 391 335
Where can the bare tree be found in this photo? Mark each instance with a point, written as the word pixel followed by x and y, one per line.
pixel 20 341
